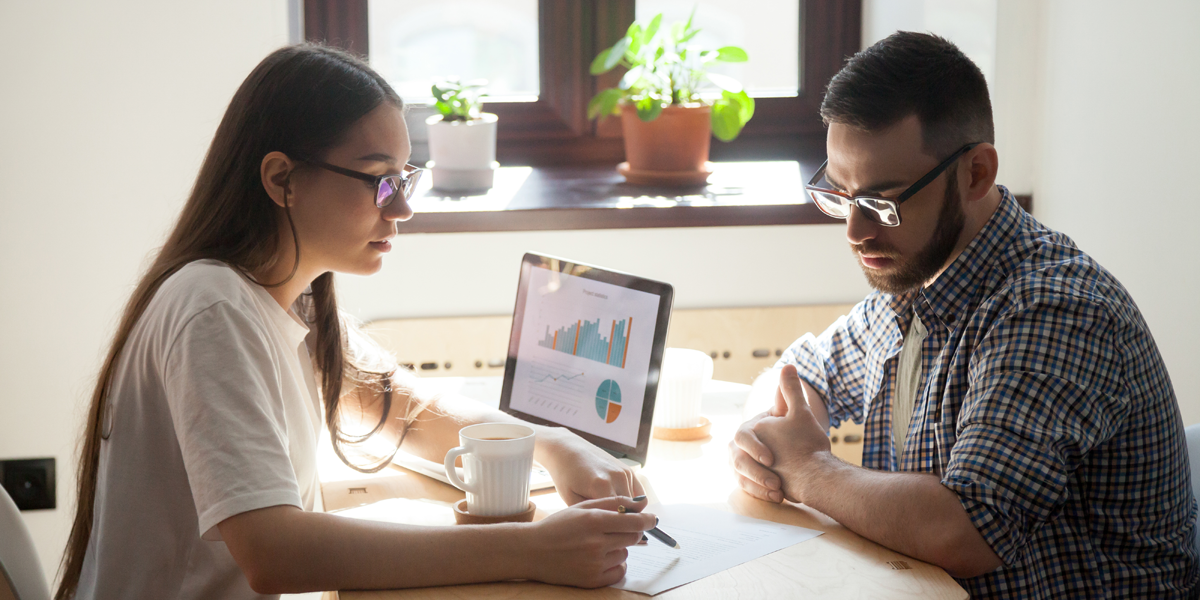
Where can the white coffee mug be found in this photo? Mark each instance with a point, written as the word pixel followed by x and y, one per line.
pixel 684 372
pixel 497 459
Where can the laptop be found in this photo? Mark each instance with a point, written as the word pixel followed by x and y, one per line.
pixel 584 353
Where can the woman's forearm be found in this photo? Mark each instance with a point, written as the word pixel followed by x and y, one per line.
pixel 283 549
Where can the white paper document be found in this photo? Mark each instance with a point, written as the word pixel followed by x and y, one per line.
pixel 710 541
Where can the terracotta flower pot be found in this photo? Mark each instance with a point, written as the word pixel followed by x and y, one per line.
pixel 676 142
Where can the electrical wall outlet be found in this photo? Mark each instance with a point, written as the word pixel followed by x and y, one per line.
pixel 30 482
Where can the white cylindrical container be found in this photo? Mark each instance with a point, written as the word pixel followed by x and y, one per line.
pixel 497 459
pixel 462 153
pixel 684 372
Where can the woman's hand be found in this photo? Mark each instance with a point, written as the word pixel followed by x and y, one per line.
pixel 585 545
pixel 580 470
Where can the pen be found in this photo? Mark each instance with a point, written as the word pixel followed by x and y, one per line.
pixel 656 533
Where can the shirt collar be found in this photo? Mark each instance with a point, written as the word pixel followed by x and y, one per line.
pixel 285 321
pixel 951 294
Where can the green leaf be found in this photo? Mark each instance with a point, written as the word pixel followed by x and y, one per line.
pixel 634 31
pixel 745 106
pixel 725 82
pixel 616 53
pixel 649 108
pixel 604 103
pixel 655 80
pixel 725 123
pixel 631 77
pixel 730 113
pixel 598 63
pixel 677 31
pixel 688 34
pixel 732 54
pixel 652 28
pixel 635 38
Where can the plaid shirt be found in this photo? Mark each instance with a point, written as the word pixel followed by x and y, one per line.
pixel 1044 404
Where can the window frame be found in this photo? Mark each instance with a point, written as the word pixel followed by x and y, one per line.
pixel 555 131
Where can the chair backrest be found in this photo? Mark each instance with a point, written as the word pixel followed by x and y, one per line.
pixel 20 568
pixel 1193 444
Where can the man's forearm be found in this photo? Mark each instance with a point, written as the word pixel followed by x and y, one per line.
pixel 912 513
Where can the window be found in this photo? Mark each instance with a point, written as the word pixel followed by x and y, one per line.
pixel 774 66
pixel 496 40
pixel 553 129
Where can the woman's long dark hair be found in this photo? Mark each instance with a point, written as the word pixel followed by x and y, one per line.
pixel 300 100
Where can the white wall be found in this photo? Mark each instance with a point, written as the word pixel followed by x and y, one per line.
pixel 1119 117
pixel 123 99
pixel 106 110
pixel 1090 96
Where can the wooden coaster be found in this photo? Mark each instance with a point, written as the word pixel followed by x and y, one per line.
pixel 462 517
pixel 685 434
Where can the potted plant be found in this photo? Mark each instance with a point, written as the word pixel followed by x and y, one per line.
pixel 462 138
pixel 666 124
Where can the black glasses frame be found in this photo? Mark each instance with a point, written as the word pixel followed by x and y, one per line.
pixel 403 183
pixel 876 205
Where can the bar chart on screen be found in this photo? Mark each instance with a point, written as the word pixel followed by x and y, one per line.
pixel 585 339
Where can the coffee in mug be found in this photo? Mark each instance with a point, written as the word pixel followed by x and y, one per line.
pixel 497 459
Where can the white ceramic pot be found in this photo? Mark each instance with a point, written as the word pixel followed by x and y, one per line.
pixel 462 153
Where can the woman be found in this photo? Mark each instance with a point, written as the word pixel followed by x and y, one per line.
pixel 197 477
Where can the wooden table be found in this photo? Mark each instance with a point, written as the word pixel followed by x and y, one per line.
pixel 838 564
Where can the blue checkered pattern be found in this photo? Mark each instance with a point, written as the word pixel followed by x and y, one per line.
pixel 1044 404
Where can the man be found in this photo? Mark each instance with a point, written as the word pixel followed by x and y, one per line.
pixel 1021 429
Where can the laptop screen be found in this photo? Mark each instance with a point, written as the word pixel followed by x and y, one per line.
pixel 585 351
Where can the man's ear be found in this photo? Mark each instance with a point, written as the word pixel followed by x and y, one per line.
pixel 276 173
pixel 979 177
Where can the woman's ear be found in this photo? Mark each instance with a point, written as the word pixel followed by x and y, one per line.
pixel 276 172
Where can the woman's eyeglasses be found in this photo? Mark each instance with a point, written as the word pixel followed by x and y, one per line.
pixel 387 187
pixel 884 211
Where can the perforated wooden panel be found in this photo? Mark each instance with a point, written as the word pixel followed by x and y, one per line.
pixel 742 341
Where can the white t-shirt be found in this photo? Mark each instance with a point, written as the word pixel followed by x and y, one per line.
pixel 214 413
pixel 908 384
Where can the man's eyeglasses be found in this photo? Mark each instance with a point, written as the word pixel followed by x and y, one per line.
pixel 387 187
pixel 884 211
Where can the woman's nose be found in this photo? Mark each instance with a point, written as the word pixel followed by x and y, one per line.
pixel 398 210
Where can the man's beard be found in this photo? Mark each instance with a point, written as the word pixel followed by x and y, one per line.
pixel 908 274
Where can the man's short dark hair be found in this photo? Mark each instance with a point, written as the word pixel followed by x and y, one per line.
pixel 910 73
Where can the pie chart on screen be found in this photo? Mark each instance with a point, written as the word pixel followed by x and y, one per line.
pixel 608 400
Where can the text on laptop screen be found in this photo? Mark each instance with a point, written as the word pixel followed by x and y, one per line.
pixel 585 354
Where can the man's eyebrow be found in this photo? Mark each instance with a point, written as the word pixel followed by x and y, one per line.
pixel 874 189
pixel 378 157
